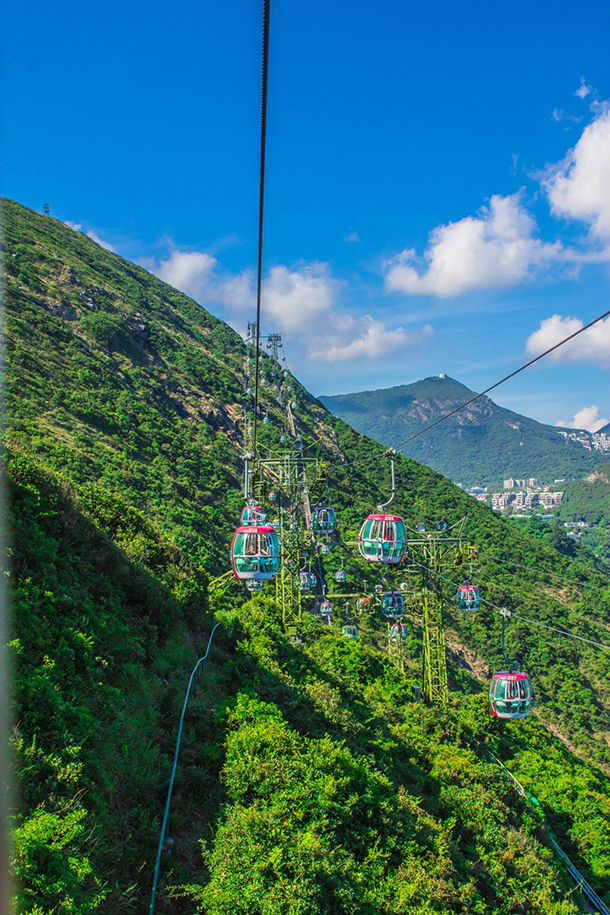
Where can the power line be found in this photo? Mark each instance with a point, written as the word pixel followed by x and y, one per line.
pixel 261 204
pixel 497 384
pixel 536 571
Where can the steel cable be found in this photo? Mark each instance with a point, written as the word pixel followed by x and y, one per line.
pixel 261 206
pixel 502 611
pixel 571 581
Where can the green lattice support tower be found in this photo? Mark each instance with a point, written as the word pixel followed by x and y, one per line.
pixel 292 476
pixel 434 552
pixel 287 592
pixel 433 654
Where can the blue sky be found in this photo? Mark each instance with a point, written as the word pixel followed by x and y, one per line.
pixel 422 216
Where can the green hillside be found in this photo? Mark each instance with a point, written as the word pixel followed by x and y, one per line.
pixel 311 778
pixel 588 500
pixel 482 444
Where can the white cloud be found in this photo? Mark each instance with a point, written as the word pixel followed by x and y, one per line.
pixel 100 241
pixel 592 346
pixel 351 236
pixel 584 89
pixel 587 418
pixel 375 342
pixel 560 115
pixel 362 337
pixel 579 186
pixel 497 248
pixel 500 247
pixel 299 301
pixel 77 226
pixel 190 271
pixel 295 298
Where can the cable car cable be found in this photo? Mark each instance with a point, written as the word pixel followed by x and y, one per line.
pixel 502 611
pixel 497 384
pixel 571 581
pixel 261 205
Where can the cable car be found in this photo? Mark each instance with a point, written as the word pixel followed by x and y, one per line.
pixel 266 420
pixel 350 632
pixel 392 605
pixel 250 430
pixel 468 597
pixel 254 585
pixel 275 522
pixel 398 632
pixel 326 608
pixel 273 496
pixel 383 538
pixel 324 520
pixel 363 603
pixel 340 575
pixel 253 514
pixel 263 381
pixel 283 439
pixel 256 553
pixel 325 548
pixel 307 581
pixel 294 405
pixel 511 694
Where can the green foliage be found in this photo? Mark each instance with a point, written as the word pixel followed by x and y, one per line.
pixel 589 500
pixel 102 328
pixel 47 863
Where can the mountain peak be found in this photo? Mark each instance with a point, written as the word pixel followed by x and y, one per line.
pixel 482 444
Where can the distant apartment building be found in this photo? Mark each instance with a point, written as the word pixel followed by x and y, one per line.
pixel 524 499
pixel 550 499
pixel 500 502
pixel 533 483
pixel 514 484
pixel 601 441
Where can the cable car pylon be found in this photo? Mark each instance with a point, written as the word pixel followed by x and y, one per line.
pixel 435 549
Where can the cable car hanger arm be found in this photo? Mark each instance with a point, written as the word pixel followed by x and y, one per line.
pixel 391 454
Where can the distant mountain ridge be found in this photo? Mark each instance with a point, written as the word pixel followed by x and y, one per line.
pixel 482 444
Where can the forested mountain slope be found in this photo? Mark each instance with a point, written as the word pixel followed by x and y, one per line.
pixel 588 500
pixel 483 444
pixel 307 769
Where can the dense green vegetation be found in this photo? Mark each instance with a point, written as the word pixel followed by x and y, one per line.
pixel 484 444
pixel 589 501
pixel 312 779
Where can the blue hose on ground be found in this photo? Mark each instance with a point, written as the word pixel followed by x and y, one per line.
pixel 194 674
